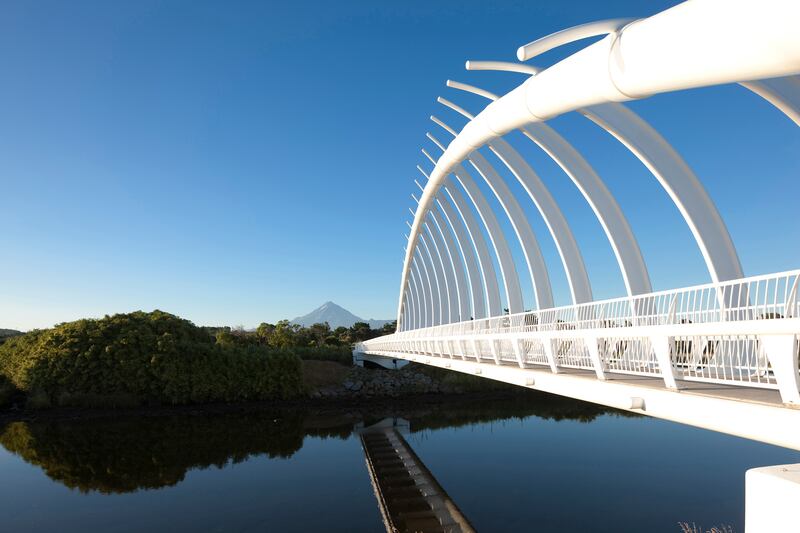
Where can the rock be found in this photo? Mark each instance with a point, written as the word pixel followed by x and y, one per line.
pixel 357 386
pixel 348 385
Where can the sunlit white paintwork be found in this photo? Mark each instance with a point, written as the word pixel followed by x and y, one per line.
pixel 604 205
pixel 635 63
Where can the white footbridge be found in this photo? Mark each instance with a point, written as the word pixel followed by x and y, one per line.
pixel 722 356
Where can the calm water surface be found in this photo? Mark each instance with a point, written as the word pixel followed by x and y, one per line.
pixel 533 463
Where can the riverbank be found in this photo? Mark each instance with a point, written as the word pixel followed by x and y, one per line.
pixel 329 387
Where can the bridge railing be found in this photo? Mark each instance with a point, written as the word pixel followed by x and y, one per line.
pixel 617 336
pixel 754 298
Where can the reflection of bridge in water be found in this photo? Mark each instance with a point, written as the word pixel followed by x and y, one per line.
pixel 722 356
pixel 409 497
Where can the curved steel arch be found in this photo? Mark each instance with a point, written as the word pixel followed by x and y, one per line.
pixel 634 63
pixel 430 271
pixel 470 260
pixel 439 272
pixel 605 207
pixel 419 313
pixel 571 257
pixel 488 275
pixel 508 270
pixel 456 273
pixel 447 274
pixel 427 291
pixel 674 175
pixel 783 93
pixel 537 269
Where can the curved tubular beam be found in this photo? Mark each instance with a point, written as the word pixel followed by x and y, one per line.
pixel 470 89
pixel 488 275
pixel 401 326
pixel 679 181
pixel 471 266
pixel 571 257
pixel 569 35
pixel 508 271
pixel 447 128
pixel 447 273
pixel 418 296
pixel 430 271
pixel 752 44
pixel 502 65
pixel 459 311
pixel 439 271
pixel 673 173
pixel 427 289
pixel 537 268
pixel 603 204
pixel 783 93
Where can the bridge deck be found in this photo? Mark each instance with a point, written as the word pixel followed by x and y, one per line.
pixel 713 390
pixel 757 413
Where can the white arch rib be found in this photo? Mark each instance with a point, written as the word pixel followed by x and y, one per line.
pixel 753 44
pixel 486 267
pixel 457 272
pixel 439 268
pixel 508 271
pixel 682 185
pixel 604 205
pixel 430 271
pixel 467 252
pixel 419 297
pixel 427 292
pixel 537 268
pixel 447 273
pixel 783 93
pixel 571 257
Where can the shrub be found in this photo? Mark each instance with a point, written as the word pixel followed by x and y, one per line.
pixel 338 354
pixel 143 357
pixel 7 391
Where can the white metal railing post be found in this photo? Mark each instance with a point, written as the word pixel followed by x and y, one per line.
pixel 781 351
pixel 495 350
pixel 518 352
pixel 661 347
pixel 547 343
pixel 594 355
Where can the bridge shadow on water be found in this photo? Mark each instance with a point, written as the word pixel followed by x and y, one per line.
pixel 128 453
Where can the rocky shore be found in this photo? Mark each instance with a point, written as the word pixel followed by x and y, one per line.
pixel 370 383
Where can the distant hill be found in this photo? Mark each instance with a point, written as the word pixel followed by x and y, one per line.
pixel 336 316
pixel 9 333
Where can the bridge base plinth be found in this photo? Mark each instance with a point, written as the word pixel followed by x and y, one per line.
pixel 771 496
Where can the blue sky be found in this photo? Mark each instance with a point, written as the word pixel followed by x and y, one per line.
pixel 239 162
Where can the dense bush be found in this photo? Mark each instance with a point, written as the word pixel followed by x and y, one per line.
pixel 338 354
pixel 7 391
pixel 142 357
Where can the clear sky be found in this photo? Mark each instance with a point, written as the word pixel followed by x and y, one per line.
pixel 240 162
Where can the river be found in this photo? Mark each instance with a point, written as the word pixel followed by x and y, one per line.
pixel 528 462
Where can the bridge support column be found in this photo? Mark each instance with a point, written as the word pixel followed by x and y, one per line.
pixel 661 347
pixel 551 358
pixel 518 352
pixel 782 354
pixel 594 355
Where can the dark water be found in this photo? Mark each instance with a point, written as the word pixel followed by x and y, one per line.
pixel 530 463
